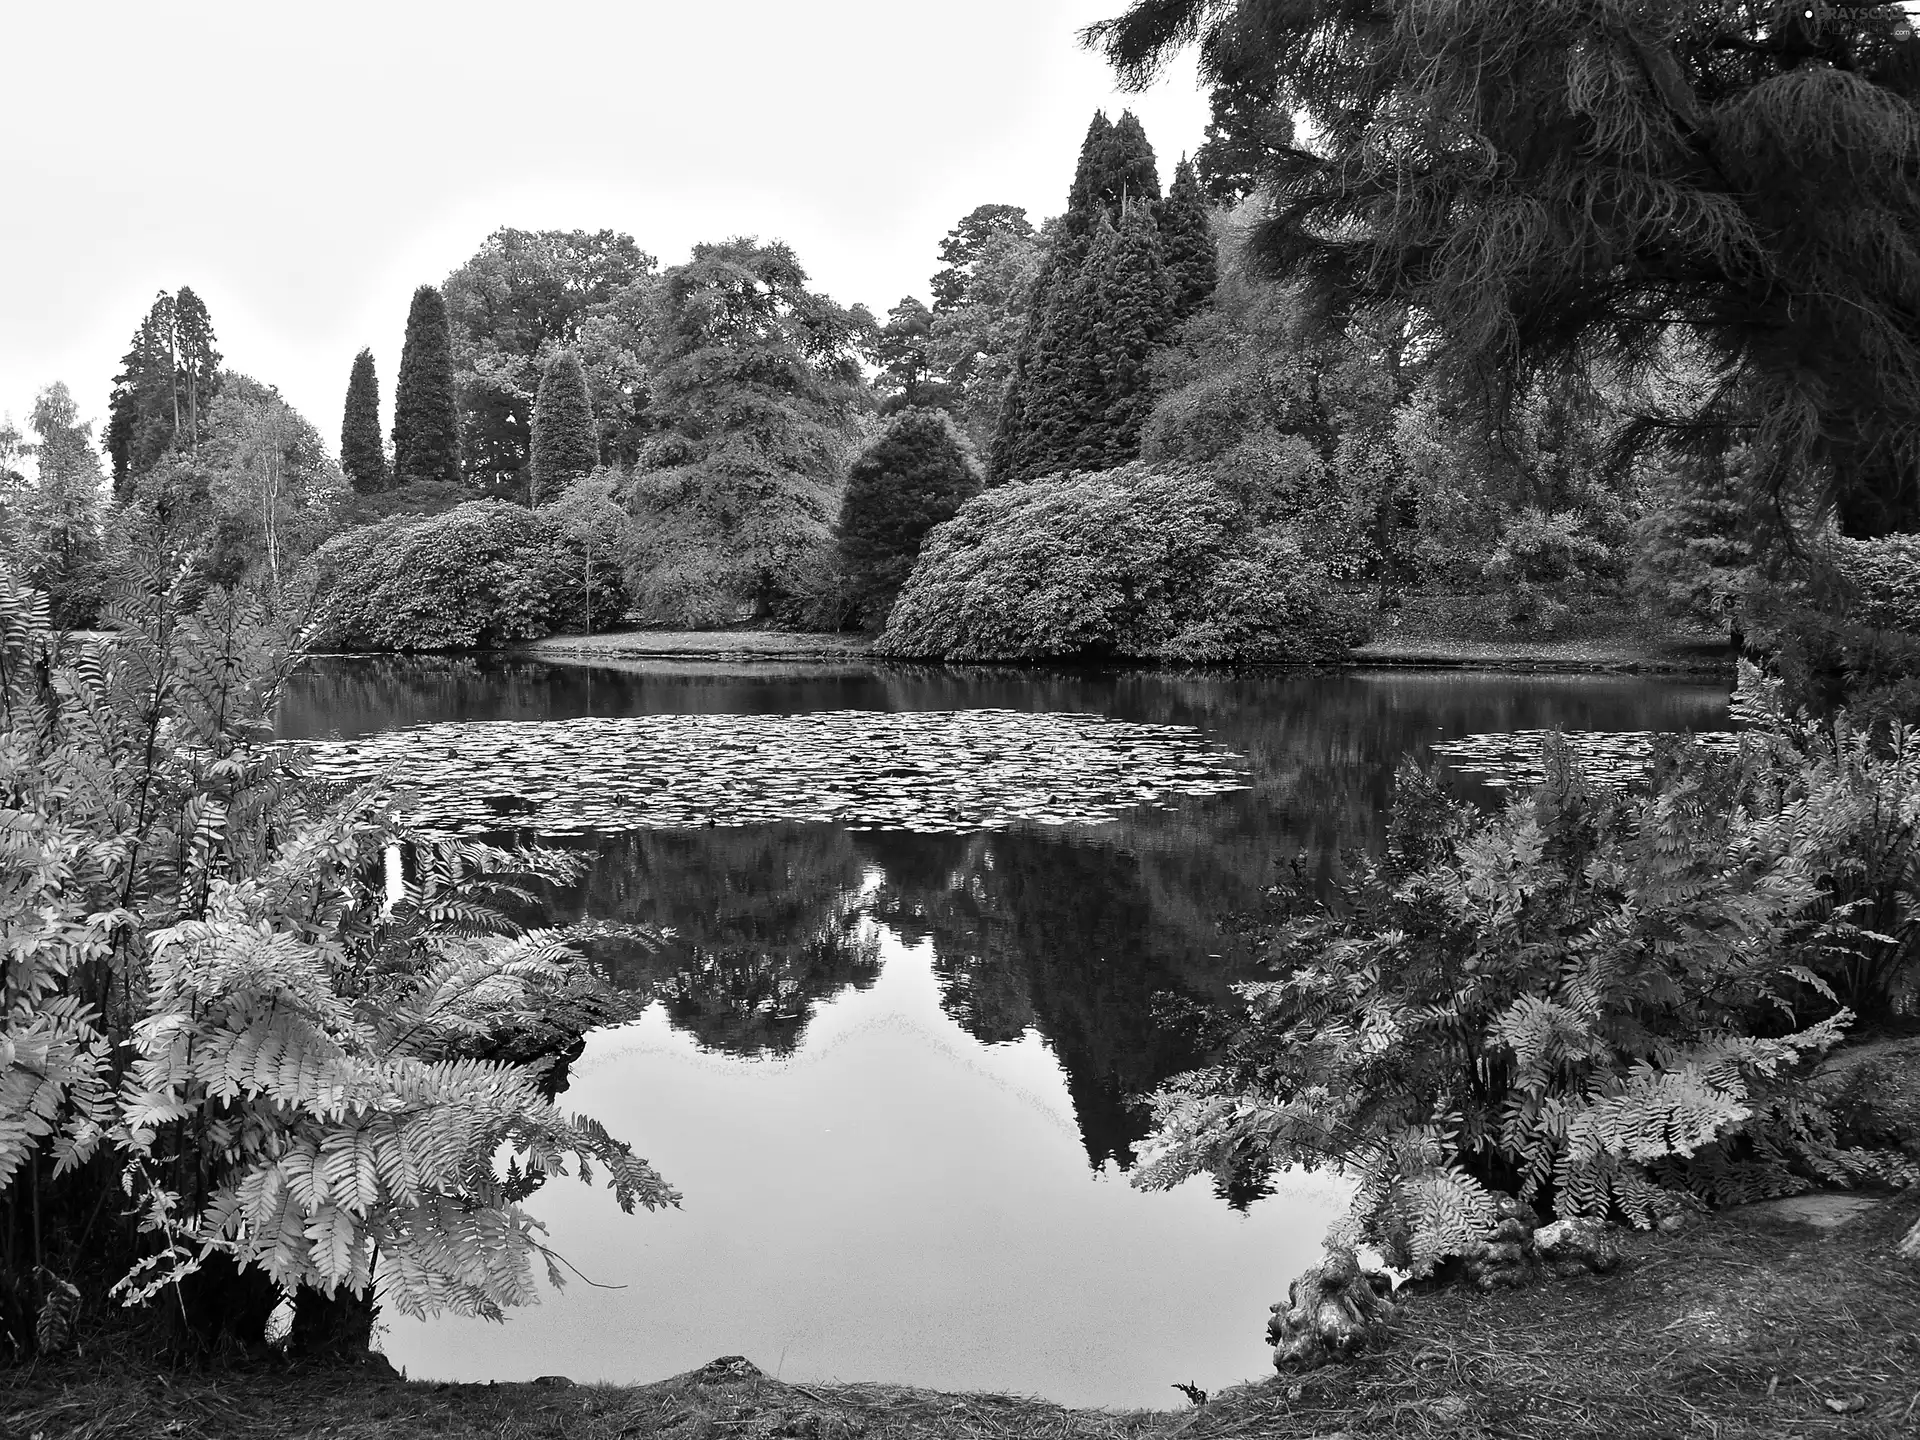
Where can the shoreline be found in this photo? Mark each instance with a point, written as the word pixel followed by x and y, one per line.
pixel 1755 1321
pixel 1639 657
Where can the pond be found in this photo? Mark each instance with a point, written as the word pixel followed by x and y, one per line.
pixel 900 931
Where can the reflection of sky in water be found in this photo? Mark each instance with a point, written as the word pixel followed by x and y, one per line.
pixel 895 1201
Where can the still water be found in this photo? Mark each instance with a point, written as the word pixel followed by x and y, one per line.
pixel 890 1070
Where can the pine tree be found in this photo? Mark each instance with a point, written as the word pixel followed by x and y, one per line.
pixel 1186 243
pixel 917 474
pixel 361 455
pixel 1246 138
pixel 426 430
pixel 564 448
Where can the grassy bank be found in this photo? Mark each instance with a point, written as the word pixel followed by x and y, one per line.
pixel 1751 1324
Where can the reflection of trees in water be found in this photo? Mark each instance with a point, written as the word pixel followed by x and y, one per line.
pixel 1059 935
pixel 763 925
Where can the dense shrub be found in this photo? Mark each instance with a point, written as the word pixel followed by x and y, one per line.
pixel 915 474
pixel 1127 563
pixel 1542 557
pixel 1599 1002
pixel 1885 575
pixel 483 574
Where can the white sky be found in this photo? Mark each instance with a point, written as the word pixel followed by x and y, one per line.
pixel 304 168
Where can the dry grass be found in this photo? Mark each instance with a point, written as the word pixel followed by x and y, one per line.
pixel 1747 1326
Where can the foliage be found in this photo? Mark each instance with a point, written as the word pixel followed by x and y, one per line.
pixel 54 526
pixel 163 396
pixel 758 387
pixel 526 294
pixel 1600 1002
pixel 1116 171
pixel 967 244
pixel 589 518
pixel 271 480
pixel 1885 576
pixel 210 1006
pixel 1246 136
pixel 1733 180
pixel 1129 563
pixel 564 449
pixel 362 457
pixel 479 576
pixel 1695 552
pixel 426 428
pixel 914 475
pixel 980 311
pixel 1542 557
pixel 903 348
pixel 1187 245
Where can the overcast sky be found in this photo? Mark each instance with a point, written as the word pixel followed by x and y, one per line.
pixel 304 167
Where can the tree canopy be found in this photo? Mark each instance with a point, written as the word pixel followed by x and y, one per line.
pixel 525 294
pixel 163 396
pixel 1727 178
pixel 564 447
pixel 916 474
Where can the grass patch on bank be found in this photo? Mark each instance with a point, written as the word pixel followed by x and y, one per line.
pixel 1748 1325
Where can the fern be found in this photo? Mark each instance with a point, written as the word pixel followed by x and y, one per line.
pixel 1601 1001
pixel 205 990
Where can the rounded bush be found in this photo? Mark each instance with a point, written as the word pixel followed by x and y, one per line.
pixel 1127 563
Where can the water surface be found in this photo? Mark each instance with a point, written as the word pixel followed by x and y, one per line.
pixel 891 1070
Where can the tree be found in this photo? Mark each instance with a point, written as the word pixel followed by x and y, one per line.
pixel 163 395
pixel 964 246
pixel 591 519
pixel 426 428
pixel 758 385
pixel 527 293
pixel 1116 169
pixel 974 337
pixel 1127 306
pixel 1732 180
pixel 1186 243
pixel 564 449
pixel 1246 137
pixel 908 379
pixel 914 475
pixel 59 519
pixel 362 457
pixel 273 489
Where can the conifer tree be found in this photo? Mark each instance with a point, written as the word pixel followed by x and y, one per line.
pixel 915 475
pixel 1124 309
pixel 1186 243
pixel 426 429
pixel 564 448
pixel 163 396
pixel 362 457
pixel 1087 195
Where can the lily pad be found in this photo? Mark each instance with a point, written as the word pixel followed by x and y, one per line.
pixel 1611 758
pixel 930 771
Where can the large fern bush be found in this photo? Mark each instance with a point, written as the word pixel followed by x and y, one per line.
pixel 227 1053
pixel 1605 1004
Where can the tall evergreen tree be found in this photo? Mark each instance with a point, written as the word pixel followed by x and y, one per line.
pixel 1126 307
pixel 163 396
pixel 362 457
pixel 1087 195
pixel 915 475
pixel 564 447
pixel 962 248
pixel 1186 243
pixel 426 428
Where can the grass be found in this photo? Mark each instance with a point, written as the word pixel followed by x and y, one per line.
pixel 1437 628
pixel 1747 1325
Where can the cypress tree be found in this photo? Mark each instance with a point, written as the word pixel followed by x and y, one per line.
pixel 564 446
pixel 915 475
pixel 1088 193
pixel 361 455
pixel 1186 243
pixel 426 428
pixel 1125 310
